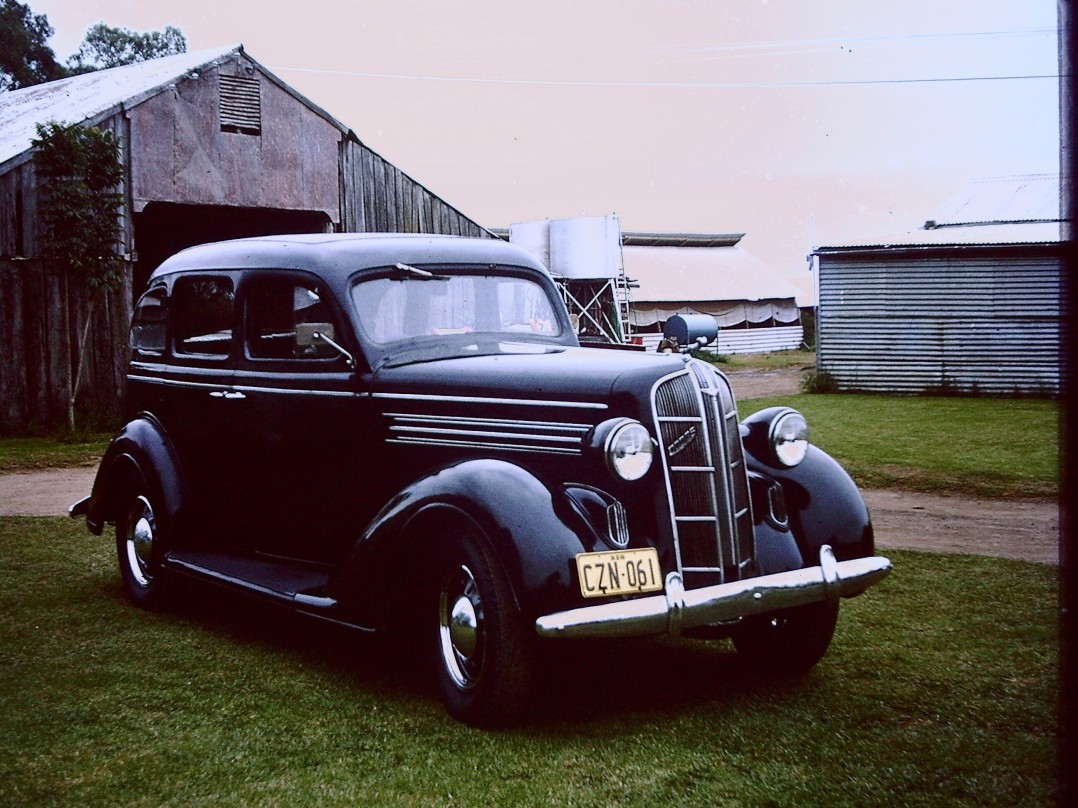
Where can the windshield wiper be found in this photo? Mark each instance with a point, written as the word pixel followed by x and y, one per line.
pixel 416 272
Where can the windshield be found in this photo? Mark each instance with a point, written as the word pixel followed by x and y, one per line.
pixel 413 311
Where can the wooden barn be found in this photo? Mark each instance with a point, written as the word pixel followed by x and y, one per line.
pixel 968 303
pixel 214 146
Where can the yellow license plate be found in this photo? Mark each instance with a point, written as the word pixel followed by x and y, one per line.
pixel 623 572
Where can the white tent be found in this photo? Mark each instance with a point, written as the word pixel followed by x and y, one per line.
pixel 723 280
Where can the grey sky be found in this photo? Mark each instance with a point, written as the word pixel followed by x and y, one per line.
pixel 795 122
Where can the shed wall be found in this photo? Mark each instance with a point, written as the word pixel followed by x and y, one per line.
pixel 983 320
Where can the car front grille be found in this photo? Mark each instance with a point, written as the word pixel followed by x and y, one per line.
pixel 706 480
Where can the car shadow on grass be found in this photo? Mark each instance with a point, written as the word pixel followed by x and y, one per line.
pixel 579 682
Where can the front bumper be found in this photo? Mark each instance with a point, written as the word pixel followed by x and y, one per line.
pixel 678 609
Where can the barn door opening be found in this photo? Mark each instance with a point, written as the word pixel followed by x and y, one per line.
pixel 163 229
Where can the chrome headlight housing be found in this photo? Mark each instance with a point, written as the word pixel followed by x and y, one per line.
pixel 779 436
pixel 626 446
pixel 789 438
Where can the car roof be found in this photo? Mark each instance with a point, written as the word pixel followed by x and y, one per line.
pixel 339 255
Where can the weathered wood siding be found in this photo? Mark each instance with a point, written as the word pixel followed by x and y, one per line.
pixel 982 319
pixel 180 153
pixel 43 314
pixel 377 197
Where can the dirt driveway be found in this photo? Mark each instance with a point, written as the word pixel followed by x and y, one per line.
pixel 1023 529
pixel 1020 529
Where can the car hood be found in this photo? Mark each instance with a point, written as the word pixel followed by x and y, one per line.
pixel 538 373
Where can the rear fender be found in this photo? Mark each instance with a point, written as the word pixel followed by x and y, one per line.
pixel 489 500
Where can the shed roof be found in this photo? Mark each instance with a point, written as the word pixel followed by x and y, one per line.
pixel 91 97
pixel 1000 211
pixel 682 274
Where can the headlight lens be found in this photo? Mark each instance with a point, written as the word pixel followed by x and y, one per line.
pixel 789 438
pixel 629 451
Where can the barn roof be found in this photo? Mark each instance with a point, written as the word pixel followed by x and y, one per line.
pixel 684 274
pixel 92 97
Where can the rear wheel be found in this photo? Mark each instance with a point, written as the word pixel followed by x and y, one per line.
pixel 787 643
pixel 483 651
pixel 138 550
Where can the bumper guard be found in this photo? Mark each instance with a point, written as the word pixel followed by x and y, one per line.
pixel 678 609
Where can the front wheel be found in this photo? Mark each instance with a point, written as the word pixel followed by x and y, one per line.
pixel 138 549
pixel 787 643
pixel 483 651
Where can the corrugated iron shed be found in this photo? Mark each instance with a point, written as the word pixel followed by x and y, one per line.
pixel 954 306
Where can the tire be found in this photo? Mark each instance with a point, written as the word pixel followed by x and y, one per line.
pixel 139 550
pixel 787 643
pixel 483 652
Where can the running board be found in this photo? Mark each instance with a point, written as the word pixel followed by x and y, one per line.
pixel 288 583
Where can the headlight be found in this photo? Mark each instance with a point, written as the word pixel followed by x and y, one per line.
pixel 629 450
pixel 789 437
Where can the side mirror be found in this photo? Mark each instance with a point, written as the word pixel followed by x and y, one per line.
pixel 317 334
pixel 691 331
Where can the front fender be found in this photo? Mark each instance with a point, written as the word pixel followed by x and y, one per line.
pixel 140 454
pixel 824 506
pixel 500 503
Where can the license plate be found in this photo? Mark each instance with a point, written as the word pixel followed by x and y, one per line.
pixel 623 572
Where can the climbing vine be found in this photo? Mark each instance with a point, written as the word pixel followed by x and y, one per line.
pixel 79 171
pixel 78 174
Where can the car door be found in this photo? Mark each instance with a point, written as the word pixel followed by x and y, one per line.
pixel 191 394
pixel 300 436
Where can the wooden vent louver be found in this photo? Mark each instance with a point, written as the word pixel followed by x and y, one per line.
pixel 241 105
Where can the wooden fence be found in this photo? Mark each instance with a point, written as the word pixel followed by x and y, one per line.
pixel 43 317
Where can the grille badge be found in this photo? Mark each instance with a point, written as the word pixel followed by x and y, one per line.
pixel 678 445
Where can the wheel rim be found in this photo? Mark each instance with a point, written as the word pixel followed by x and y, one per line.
pixel 460 627
pixel 140 531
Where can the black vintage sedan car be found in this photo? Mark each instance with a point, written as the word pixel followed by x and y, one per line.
pixel 399 431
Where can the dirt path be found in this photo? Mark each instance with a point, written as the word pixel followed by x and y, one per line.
pixel 1023 529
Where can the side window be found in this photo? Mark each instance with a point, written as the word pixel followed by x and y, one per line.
pixel 203 313
pixel 147 335
pixel 281 317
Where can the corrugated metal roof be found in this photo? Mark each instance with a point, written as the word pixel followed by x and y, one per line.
pixel 93 96
pixel 681 239
pixel 987 212
pixel 1028 198
pixel 986 235
pixel 702 274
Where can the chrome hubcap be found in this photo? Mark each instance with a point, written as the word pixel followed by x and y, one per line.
pixel 139 541
pixel 460 627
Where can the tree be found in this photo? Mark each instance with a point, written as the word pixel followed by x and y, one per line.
pixel 25 57
pixel 79 173
pixel 105 46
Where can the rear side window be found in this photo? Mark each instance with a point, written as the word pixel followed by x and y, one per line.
pixel 203 314
pixel 282 317
pixel 147 335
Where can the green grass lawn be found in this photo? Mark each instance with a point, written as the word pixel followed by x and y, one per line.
pixel 31 454
pixel 939 689
pixel 985 447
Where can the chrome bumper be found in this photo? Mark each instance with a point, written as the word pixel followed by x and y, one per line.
pixel 678 609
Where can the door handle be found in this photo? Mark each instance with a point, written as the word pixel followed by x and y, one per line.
pixel 231 395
